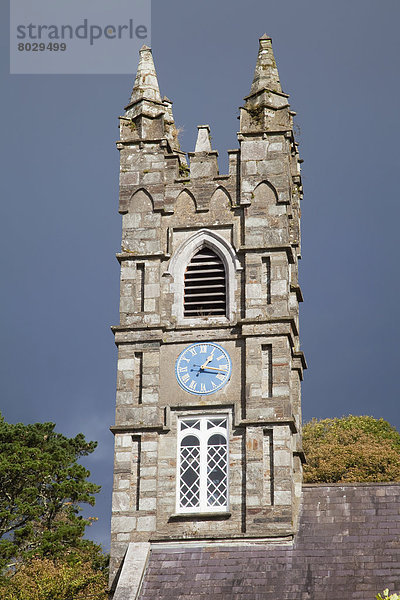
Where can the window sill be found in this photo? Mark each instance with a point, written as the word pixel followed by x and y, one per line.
pixel 204 322
pixel 200 515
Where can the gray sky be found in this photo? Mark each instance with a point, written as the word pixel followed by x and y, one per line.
pixel 339 61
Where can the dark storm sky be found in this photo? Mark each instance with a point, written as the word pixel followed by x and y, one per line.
pixel 339 61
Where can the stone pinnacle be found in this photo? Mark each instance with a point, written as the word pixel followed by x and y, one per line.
pixel 146 84
pixel 266 74
pixel 203 143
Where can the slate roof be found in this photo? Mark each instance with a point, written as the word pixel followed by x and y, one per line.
pixel 348 546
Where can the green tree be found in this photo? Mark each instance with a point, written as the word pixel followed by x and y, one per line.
pixel 351 449
pixel 60 579
pixel 41 488
pixel 386 596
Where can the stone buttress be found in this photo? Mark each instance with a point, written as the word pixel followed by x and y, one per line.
pixel 249 221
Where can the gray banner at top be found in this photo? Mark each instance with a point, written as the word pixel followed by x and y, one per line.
pixel 77 36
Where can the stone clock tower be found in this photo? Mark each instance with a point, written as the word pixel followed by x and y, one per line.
pixel 208 418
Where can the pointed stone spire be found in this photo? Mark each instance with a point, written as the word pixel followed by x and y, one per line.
pixel 203 143
pixel 145 108
pixel 266 108
pixel 266 73
pixel 146 84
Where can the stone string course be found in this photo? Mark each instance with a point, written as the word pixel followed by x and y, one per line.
pixel 348 546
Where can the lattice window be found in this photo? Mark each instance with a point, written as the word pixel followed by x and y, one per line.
pixel 203 464
pixel 205 285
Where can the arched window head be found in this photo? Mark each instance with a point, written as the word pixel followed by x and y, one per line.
pixel 205 285
pixel 192 275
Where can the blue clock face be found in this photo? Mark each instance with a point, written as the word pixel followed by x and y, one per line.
pixel 203 368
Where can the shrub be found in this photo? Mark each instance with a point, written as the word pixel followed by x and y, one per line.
pixel 351 449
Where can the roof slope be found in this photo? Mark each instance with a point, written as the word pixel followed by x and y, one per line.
pixel 348 546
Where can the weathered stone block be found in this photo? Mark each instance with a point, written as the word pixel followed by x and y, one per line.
pixel 123 524
pixel 120 501
pixel 146 523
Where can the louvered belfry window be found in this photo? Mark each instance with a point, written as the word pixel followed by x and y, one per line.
pixel 205 285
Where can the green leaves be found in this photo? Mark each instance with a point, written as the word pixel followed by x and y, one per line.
pixel 45 579
pixel 351 449
pixel 41 488
pixel 386 596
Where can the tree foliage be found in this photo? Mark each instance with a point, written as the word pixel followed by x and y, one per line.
pixel 386 596
pixel 351 449
pixel 41 488
pixel 60 579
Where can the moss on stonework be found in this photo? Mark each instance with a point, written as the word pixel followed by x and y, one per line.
pixel 256 113
pixel 183 170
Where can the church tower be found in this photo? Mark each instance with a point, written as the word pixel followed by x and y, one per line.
pixel 208 415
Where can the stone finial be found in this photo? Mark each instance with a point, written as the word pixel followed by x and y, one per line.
pixel 203 161
pixel 203 143
pixel 171 131
pixel 146 84
pixel 266 74
pixel 168 115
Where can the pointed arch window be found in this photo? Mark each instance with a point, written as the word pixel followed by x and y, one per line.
pixel 203 290
pixel 205 285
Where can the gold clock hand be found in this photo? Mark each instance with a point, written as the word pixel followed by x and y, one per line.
pixel 209 359
pixel 215 369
